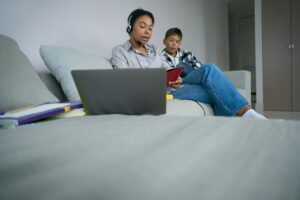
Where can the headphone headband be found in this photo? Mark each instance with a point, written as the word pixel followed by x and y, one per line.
pixel 134 15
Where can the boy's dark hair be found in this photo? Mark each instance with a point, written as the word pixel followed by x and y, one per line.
pixel 134 15
pixel 174 31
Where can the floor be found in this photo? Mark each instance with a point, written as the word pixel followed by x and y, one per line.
pixel 277 114
pixel 281 115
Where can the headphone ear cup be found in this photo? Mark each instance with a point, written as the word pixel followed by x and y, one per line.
pixel 128 29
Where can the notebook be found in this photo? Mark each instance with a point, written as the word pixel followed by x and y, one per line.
pixel 122 91
pixel 173 74
pixel 35 113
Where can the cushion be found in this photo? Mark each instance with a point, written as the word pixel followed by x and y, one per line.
pixel 61 60
pixel 20 85
pixel 188 108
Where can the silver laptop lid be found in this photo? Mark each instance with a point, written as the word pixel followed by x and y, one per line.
pixel 122 91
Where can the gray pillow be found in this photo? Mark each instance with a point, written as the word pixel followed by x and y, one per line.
pixel 61 60
pixel 20 85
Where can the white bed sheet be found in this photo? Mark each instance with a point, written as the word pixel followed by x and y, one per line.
pixel 151 157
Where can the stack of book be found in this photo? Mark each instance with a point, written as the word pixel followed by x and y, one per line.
pixel 35 113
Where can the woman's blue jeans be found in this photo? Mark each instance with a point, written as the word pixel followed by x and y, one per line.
pixel 208 84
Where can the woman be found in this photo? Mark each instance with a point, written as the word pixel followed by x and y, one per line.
pixel 206 84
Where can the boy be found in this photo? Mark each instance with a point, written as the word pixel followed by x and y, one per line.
pixel 174 56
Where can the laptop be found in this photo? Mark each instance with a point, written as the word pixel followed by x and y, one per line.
pixel 122 91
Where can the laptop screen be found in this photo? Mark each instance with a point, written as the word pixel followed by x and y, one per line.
pixel 122 91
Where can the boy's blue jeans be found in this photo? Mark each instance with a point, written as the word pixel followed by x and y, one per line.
pixel 208 84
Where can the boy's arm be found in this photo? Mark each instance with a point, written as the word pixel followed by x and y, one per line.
pixel 188 57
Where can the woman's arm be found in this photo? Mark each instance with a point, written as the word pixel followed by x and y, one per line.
pixel 118 59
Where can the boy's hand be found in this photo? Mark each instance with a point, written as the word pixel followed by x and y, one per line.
pixel 176 84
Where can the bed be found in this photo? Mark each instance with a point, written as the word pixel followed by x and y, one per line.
pixel 151 157
pixel 119 157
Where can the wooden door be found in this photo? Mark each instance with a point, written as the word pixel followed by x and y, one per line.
pixel 276 36
pixel 296 56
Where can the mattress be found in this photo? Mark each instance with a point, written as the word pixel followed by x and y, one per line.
pixel 151 157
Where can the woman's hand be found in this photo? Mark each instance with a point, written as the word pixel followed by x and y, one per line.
pixel 176 84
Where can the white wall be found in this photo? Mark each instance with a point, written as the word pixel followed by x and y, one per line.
pixel 97 26
pixel 215 16
pixel 258 56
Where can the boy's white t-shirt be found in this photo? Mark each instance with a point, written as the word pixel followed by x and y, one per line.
pixel 175 60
